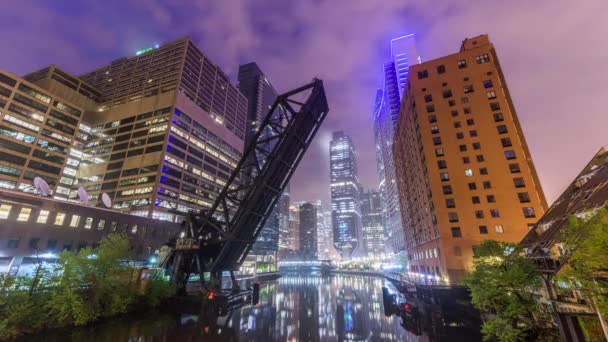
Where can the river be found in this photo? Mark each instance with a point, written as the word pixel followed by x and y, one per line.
pixel 298 307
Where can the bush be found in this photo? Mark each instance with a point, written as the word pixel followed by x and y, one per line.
pixel 158 290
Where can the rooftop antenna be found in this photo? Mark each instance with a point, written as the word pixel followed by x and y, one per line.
pixel 83 195
pixel 42 187
pixel 105 198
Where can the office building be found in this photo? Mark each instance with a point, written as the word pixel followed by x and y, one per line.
pixel 294 226
pixel 465 173
pixel 323 232
pixel 284 228
pixel 386 114
pixel 260 96
pixel 345 189
pixel 308 231
pixel 372 220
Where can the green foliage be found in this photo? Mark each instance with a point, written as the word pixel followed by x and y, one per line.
pixel 82 288
pixel 159 289
pixel 501 287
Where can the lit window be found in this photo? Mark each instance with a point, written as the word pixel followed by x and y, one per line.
pixel 491 95
pixel 468 172
pixel 43 216
pixel 499 228
pixel 59 219
pixel 75 221
pixel 5 209
pixel 24 215
pixel 484 58
pixel 88 223
pixel 529 212
pixel 101 224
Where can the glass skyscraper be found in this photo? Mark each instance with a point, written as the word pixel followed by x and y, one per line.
pixel 386 114
pixel 345 190
pixel 372 223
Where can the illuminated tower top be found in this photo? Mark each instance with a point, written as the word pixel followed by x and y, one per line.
pixel 404 53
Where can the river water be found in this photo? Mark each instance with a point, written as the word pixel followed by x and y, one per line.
pixel 299 307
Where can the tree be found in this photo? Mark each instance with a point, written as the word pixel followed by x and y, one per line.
pixel 585 241
pixel 502 287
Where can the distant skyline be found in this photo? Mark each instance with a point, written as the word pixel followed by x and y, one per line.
pixel 556 70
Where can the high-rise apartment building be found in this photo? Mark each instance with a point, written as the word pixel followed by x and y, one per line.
pixel 386 114
pixel 308 231
pixel 260 95
pixel 465 173
pixel 345 189
pixel 161 131
pixel 372 222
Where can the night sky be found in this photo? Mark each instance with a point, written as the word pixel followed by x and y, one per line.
pixel 553 52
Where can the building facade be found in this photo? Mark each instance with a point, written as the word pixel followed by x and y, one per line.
pixel 386 114
pixel 345 189
pixel 465 173
pixel 308 231
pixel 372 220
pixel 324 236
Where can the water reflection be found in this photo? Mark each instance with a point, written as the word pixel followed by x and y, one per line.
pixel 295 307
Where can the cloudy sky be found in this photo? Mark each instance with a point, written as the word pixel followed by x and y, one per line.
pixel 554 54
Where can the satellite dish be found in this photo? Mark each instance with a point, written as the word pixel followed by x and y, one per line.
pixel 42 187
pixel 83 195
pixel 106 200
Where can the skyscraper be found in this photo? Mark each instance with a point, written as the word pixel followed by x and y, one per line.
pixel 465 173
pixel 345 188
pixel 260 96
pixel 284 227
pixel 372 219
pixel 386 114
pixel 323 232
pixel 308 231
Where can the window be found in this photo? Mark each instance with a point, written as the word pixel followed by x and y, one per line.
pixel 432 118
pixel 13 243
pixel 473 133
pixel 442 164
pixel 434 129
pixel 468 88
pixel 468 172
pixel 450 203
pixel 487 185
pixel 463 148
pixel 510 154
pixel 437 140
pixel 476 146
pixel 529 212
pixel 483 171
pixel 452 103
pixel 454 113
pixel 5 210
pixel 466 160
pixel 51 245
pixel 487 84
pixel 498 117
pixel 502 129
pixel 499 229
pixel 430 108
pixel 24 214
pixel 101 224
pixel 444 176
pixel 479 214
pixel 59 219
pixel 519 182
pixel 447 190
pixel 472 186
pixel 453 217
pixel 456 232
pixel 495 106
pixel 447 93
pixel 457 251
pixel 464 100
pixel 524 197
pixel 470 122
pixel 43 216
pixel 88 223
pixel 457 124
pixel 491 199
pixel 423 74
pixel 459 135
pixel 462 63
pixel 484 58
pixel 75 221
pixel 441 69
pixel 506 142
pixel 439 152
pixel 475 200
pixel 480 158
pixel 514 168
pixel 491 95
pixel 33 244
pixel 467 110
pixel 494 213
pixel 428 98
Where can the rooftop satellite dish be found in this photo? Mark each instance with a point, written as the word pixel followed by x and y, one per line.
pixel 83 195
pixel 42 187
pixel 105 198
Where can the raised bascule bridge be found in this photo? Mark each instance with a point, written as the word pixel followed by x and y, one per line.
pixel 218 240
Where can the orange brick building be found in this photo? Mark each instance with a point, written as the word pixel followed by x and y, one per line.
pixel 464 170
